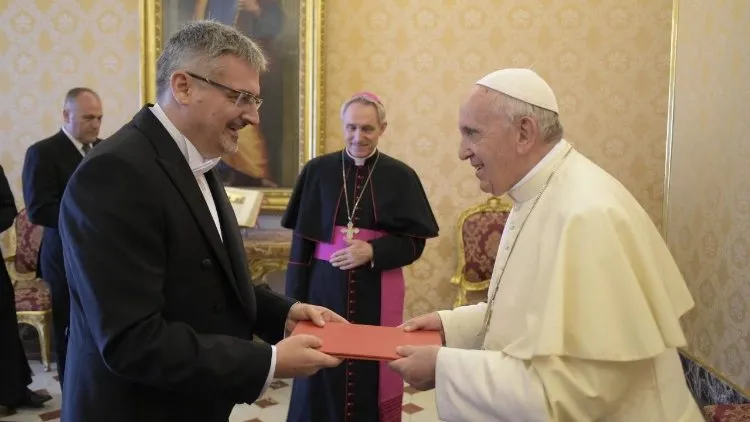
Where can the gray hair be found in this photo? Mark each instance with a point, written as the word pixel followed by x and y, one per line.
pixel 198 44
pixel 366 99
pixel 72 95
pixel 548 121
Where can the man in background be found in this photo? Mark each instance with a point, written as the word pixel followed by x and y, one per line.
pixel 359 216
pixel 47 167
pixel 582 321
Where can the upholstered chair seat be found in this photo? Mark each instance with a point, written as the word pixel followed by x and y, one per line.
pixel 32 295
pixel 479 230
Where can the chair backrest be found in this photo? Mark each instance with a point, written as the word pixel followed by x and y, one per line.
pixel 28 241
pixel 479 231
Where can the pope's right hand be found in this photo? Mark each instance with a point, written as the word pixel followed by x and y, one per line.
pixel 428 322
pixel 297 356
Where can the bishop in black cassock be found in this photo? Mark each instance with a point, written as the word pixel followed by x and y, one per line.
pixel 389 209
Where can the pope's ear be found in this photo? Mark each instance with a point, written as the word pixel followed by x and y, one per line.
pixel 528 131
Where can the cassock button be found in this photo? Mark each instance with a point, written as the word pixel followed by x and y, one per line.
pixel 207 264
pixel 512 227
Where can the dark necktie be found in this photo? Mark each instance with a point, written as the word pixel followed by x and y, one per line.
pixel 86 148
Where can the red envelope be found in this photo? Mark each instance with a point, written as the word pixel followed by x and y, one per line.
pixel 366 342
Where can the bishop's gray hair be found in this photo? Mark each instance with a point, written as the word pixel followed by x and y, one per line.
pixel 549 123
pixel 366 99
pixel 197 45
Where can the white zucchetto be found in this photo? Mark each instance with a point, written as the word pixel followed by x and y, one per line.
pixel 522 84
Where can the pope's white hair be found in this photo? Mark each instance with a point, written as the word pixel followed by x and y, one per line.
pixel 549 123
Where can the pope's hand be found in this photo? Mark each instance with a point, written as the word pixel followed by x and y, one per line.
pixel 427 322
pixel 305 312
pixel 297 356
pixel 417 365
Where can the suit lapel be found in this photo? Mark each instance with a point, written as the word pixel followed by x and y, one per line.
pixel 233 243
pixel 175 165
pixel 68 153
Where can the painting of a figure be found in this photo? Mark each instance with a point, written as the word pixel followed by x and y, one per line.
pixel 268 155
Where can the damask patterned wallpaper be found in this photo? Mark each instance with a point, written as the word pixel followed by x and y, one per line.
pixel 708 213
pixel 607 60
pixel 50 46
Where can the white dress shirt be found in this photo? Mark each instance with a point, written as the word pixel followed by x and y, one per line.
pixel 76 143
pixel 200 165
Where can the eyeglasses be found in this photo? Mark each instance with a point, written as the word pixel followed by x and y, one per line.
pixel 240 98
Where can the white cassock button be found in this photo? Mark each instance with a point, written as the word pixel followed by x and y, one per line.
pixel 512 227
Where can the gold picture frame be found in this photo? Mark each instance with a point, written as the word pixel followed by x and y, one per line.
pixel 308 112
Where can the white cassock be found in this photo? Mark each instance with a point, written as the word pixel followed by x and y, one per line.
pixel 585 324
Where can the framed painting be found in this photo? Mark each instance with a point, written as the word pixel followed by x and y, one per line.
pixel 291 129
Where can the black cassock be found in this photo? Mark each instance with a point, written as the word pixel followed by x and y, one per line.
pixel 15 373
pixel 392 201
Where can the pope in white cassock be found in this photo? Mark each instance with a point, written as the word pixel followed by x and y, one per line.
pixel 582 316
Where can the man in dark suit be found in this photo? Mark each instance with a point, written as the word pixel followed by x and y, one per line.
pixel 163 312
pixel 48 165
pixel 15 373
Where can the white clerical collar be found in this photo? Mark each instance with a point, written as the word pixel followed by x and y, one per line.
pixel 360 161
pixel 76 143
pixel 517 192
pixel 197 163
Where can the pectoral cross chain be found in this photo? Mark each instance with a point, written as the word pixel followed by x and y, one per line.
pixel 350 231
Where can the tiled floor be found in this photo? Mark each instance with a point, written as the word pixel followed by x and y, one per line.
pixel 418 406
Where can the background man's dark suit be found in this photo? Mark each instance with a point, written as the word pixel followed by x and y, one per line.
pixel 47 167
pixel 162 310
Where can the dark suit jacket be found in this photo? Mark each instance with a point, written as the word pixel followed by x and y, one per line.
pixel 47 167
pixel 162 311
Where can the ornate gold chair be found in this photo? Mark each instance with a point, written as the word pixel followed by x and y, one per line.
pixel 267 250
pixel 479 230
pixel 33 300
pixel 727 412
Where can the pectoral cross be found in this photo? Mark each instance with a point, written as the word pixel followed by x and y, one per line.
pixel 486 323
pixel 350 231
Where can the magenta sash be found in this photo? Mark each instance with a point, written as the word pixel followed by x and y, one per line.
pixel 392 292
